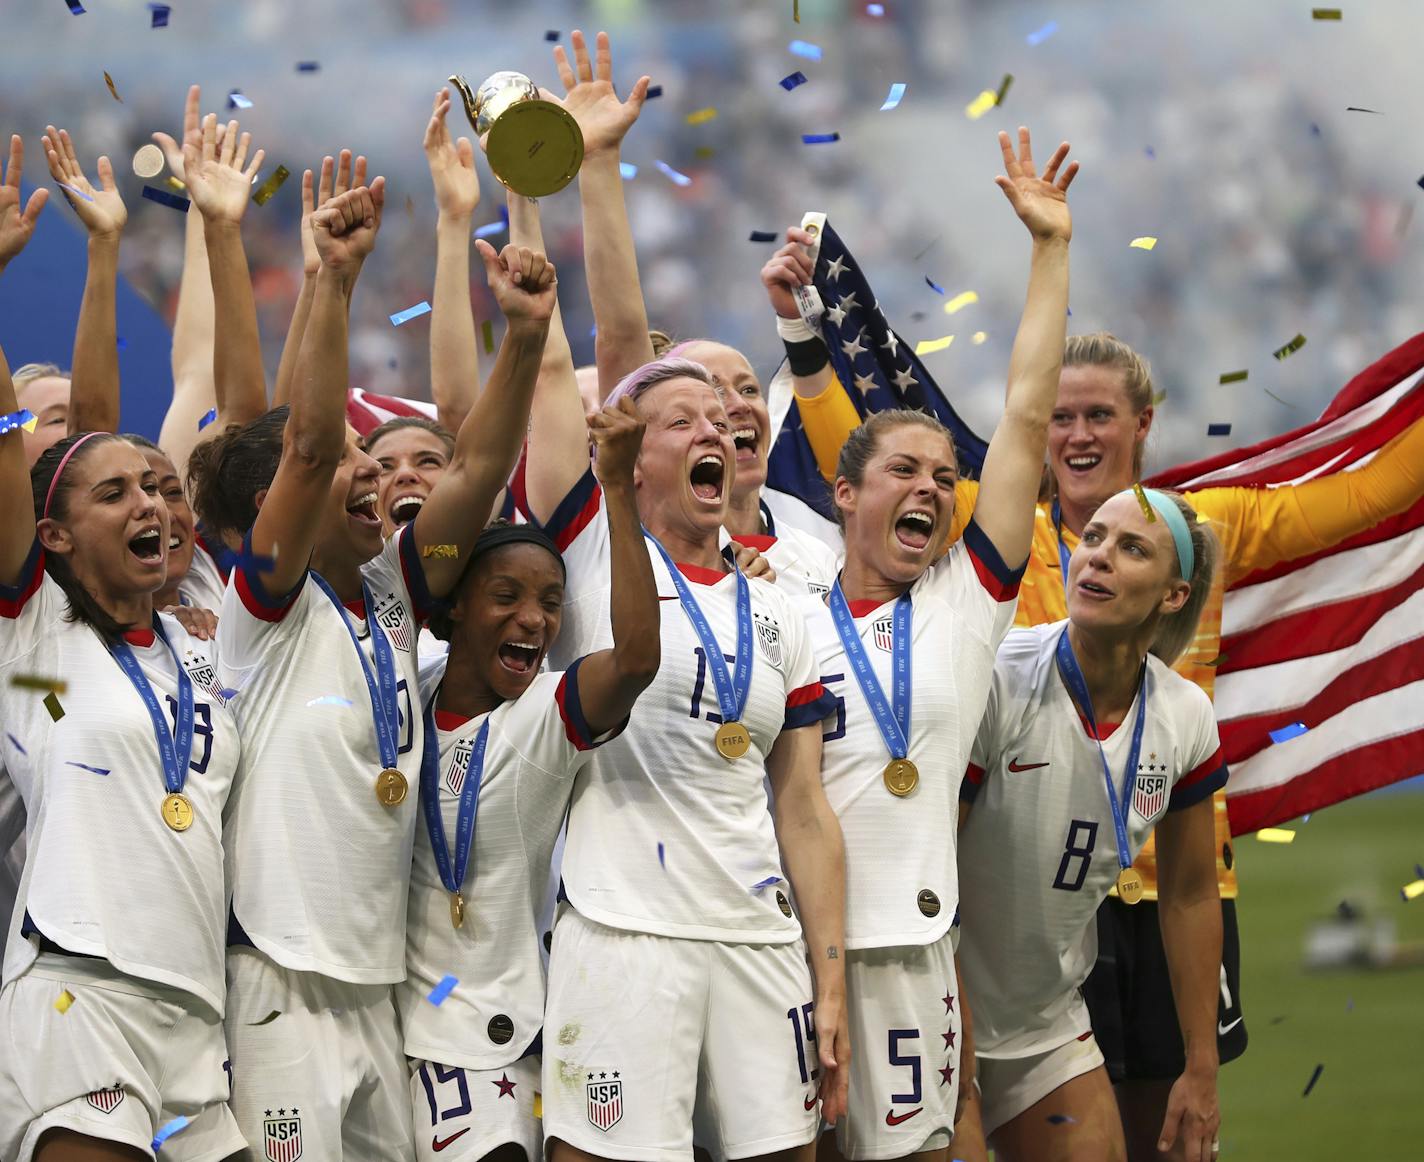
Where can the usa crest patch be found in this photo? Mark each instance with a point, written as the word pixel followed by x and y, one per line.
pixel 459 766
pixel 883 632
pixel 1150 795
pixel 768 635
pixel 205 677
pixel 106 1101
pixel 282 1136
pixel 605 1101
pixel 390 616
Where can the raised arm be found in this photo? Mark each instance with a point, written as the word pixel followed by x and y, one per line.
pixel 622 344
pixel 219 180
pixel 611 680
pixel 94 374
pixel 315 436
pixel 454 352
pixel 488 442
pixel 1013 465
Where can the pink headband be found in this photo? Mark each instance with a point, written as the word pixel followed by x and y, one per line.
pixel 58 472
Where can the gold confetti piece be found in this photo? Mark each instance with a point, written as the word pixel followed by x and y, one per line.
pixel 930 346
pixel 1234 376
pixel 37 682
pixel 271 185
pixel 960 301
pixel 701 116
pixel 1325 14
pixel 981 105
pixel 703 152
pixel 1146 242
pixel 268 1019
pixel 108 80
pixel 1159 397
pixel 148 161
pixel 1145 503
pixel 51 703
pixel 539 1097
pixel 1275 835
pixel 1412 891
pixel 444 552
pixel 175 184
pixel 1003 88
pixel 978 337
pixel 487 334
pixel 66 998
pixel 1290 348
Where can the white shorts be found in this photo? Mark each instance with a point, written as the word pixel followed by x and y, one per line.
pixel 470 1112
pixel 647 1037
pixel 904 1035
pixel 318 1068
pixel 126 1059
pixel 1010 1085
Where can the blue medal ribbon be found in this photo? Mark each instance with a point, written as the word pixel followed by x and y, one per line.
pixel 1077 685
pixel 451 875
pixel 1063 554
pixel 732 689
pixel 382 686
pixel 893 720
pixel 175 749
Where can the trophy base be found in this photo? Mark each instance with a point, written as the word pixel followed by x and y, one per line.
pixel 535 148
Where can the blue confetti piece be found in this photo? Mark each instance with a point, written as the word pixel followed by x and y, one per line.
pixel 1314 129
pixel 680 179
pixel 1038 36
pixel 654 91
pixel 875 9
pixel 235 100
pixel 764 236
pixel 766 883
pixel 308 66
pixel 87 767
pixel 178 1123
pixel 1150 152
pixel 160 15
pixel 1314 1077
pixel 792 80
pixel 662 856
pixel 405 316
pixel 12 420
pixel 627 170
pixel 934 286
pixel 1218 429
pixel 75 7
pixel 552 35
pixel 77 192
pixel 819 138
pixel 488 230
pixel 897 90
pixel 1419 871
pixel 15 742
pixel 1285 733
pixel 442 990
pixel 1060 1119
pixel 164 198
pixel 804 48
pixel 208 417
pixel 121 343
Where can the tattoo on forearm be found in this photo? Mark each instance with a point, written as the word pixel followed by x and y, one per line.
pixel 832 953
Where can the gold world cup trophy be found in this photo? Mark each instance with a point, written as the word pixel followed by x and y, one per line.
pixel 533 146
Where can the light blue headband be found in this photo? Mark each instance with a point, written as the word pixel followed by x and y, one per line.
pixel 1167 509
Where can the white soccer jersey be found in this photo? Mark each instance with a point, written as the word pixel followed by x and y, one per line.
pixel 104 875
pixel 204 585
pixel 803 565
pixel 1039 854
pixel 665 835
pixel 12 843
pixel 318 865
pixel 535 747
pixel 901 883
pixel 782 511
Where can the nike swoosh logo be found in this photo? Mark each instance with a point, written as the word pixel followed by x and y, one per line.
pixel 810 1102
pixel 1222 1030
pixel 1017 769
pixel 437 1145
pixel 894 1119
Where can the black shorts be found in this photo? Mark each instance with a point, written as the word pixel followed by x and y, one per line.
pixel 1129 994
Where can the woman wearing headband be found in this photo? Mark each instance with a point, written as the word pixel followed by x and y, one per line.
pixel 1090 741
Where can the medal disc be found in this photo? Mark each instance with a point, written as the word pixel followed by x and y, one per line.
pixel 177 812
pixel 732 740
pixel 1129 885
pixel 457 909
pixel 391 787
pixel 901 777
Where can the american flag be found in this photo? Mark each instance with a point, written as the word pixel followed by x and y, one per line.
pixel 1333 641
pixel 367 411
pixel 880 371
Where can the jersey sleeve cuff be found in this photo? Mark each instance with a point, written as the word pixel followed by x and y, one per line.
pixel 999 581
pixel 414 573
pixel 973 780
pixel 576 727
pixel 14 597
pixel 255 599
pixel 808 705
pixel 1202 781
pixel 575 511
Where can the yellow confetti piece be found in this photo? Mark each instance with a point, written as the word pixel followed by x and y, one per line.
pixel 271 185
pixel 1412 891
pixel 539 1097
pixel 175 183
pixel 30 425
pixel 1146 242
pixel 1325 14
pixel 1003 88
pixel 66 998
pixel 978 337
pixel 1290 348
pixel 442 552
pixel 980 105
pixel 930 346
pixel 51 703
pixel 1146 505
pixel 796 16
pixel 1275 835
pixel 703 152
pixel 108 80
pixel 39 682
pixel 702 116
pixel 487 334
pixel 960 301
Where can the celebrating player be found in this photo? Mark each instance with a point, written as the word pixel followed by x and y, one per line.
pixel 124 768
pixel 413 454
pixel 501 753
pixel 1088 742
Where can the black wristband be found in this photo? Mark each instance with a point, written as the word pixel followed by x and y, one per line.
pixel 806 357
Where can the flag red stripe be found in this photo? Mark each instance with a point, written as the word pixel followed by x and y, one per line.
pixel 1366 768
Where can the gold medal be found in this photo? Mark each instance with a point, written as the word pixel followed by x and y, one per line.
pixel 1129 885
pixel 457 909
pixel 732 740
pixel 391 787
pixel 177 812
pixel 901 777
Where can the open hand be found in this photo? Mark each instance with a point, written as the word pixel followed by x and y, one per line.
pixel 601 116
pixel 523 281
pixel 791 266
pixel 344 230
pixel 100 208
pixel 217 181
pixel 1041 202
pixel 617 435
pixel 192 132
pixel 200 623
pixel 16 225
pixel 452 164
pixel 337 176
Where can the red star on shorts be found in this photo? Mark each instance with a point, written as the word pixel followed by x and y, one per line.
pixel 948 1039
pixel 946 1075
pixel 948 1003
pixel 506 1087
